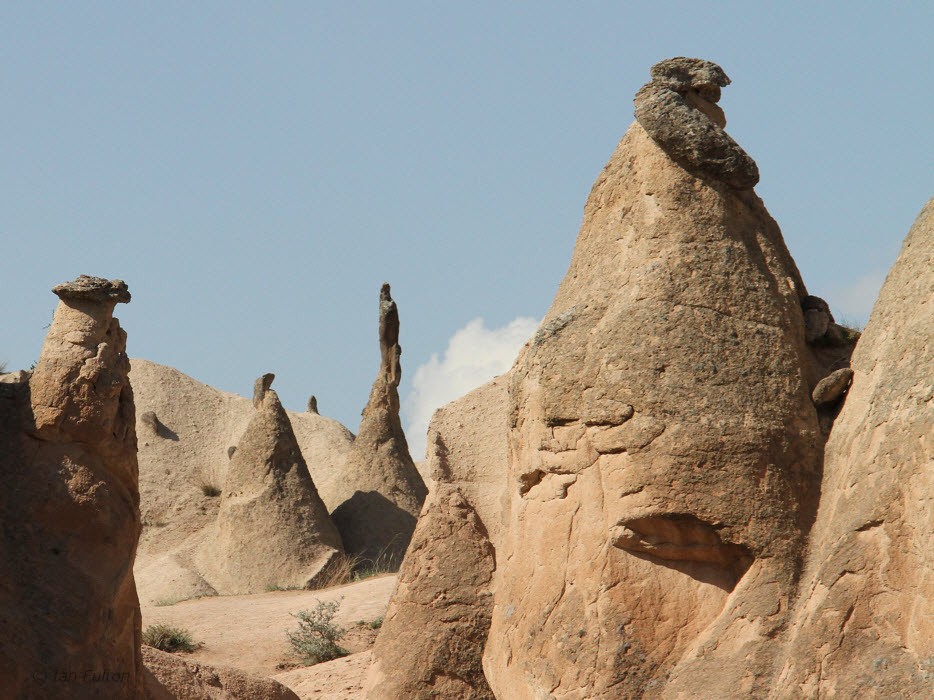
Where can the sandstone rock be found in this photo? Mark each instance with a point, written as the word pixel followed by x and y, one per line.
pixel 678 110
pixel 200 426
pixel 312 405
pixel 863 623
pixel 664 451
pixel 467 451
pixel 260 387
pixel 432 638
pixel 832 387
pixel 272 528
pixel 169 677
pixel 70 508
pixel 383 491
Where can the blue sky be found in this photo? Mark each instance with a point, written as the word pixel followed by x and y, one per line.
pixel 255 171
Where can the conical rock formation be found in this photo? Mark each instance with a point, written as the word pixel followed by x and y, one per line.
pixel 863 626
pixel 431 643
pixel 183 465
pixel 664 451
pixel 70 508
pixel 383 491
pixel 272 528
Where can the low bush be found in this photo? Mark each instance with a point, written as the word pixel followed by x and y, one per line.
pixel 170 639
pixel 317 637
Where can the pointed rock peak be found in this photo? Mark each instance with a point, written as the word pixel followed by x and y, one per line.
pixel 260 387
pixel 679 110
pixel 389 347
pixel 87 288
pixel 312 405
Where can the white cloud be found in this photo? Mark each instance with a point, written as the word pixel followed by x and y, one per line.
pixel 854 301
pixel 475 354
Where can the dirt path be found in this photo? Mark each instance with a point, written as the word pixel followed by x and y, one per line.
pixel 249 631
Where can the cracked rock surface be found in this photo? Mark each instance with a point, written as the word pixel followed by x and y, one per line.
pixel 863 625
pixel 664 451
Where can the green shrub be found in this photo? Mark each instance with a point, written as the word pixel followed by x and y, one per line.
pixel 317 636
pixel 170 639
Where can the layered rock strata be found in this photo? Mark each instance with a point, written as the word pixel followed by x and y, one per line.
pixel 70 505
pixel 272 529
pixel 383 491
pixel 664 450
pixel 863 624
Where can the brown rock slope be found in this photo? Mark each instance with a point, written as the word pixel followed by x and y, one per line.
pixel 70 507
pixel 272 528
pixel 863 627
pixel 664 451
pixel 432 640
pixel 170 677
pixel 382 491
pixel 183 448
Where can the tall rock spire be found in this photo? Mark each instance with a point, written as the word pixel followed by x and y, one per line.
pixel 70 509
pixel 384 491
pixel 664 451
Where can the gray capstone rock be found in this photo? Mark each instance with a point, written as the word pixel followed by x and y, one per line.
pixel 678 110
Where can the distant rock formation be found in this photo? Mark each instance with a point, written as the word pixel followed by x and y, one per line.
pixel 70 508
pixel 199 429
pixel 863 623
pixel 312 405
pixel 272 528
pixel 383 491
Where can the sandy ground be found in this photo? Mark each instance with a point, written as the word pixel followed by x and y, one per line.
pixel 249 632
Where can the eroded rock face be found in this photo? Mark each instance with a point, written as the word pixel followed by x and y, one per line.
pixel 863 626
pixel 272 528
pixel 679 110
pixel 70 508
pixel 664 451
pixel 169 677
pixel 432 640
pixel 383 490
pixel 431 643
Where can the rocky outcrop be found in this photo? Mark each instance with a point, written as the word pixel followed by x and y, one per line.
pixel 431 643
pixel 383 491
pixel 272 528
pixel 863 624
pixel 169 677
pixel 70 508
pixel 664 450
pixel 432 640
pixel 184 467
pixel 679 110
